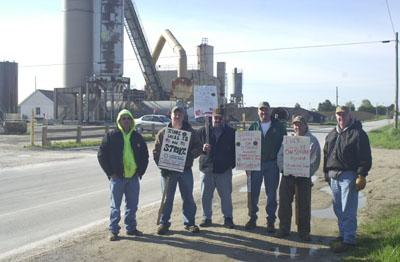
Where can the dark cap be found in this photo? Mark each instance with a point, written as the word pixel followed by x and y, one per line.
pixel 299 119
pixel 342 109
pixel 263 104
pixel 177 108
pixel 218 112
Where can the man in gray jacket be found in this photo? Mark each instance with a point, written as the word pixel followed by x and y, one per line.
pixel 289 185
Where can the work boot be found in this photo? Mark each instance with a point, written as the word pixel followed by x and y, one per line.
pixel 281 234
pixel 113 237
pixel 270 228
pixel 206 222
pixel 229 223
pixel 305 236
pixel 135 233
pixel 343 247
pixel 192 228
pixel 162 229
pixel 251 224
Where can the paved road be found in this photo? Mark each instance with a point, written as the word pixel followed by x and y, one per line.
pixel 41 201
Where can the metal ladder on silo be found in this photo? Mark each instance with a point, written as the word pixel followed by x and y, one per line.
pixel 142 52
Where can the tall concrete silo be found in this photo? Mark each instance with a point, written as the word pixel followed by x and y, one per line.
pixel 205 57
pixel 78 42
pixel 9 86
pixel 237 86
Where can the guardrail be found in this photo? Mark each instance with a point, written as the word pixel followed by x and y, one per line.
pixel 78 133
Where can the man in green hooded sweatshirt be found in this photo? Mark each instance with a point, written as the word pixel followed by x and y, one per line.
pixel 124 157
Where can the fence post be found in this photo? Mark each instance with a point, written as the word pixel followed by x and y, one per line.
pixel 78 134
pixel 44 136
pixel 153 130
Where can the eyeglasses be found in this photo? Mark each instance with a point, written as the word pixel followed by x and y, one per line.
pixel 126 118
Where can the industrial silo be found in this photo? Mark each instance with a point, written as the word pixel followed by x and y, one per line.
pixel 78 42
pixel 237 85
pixel 205 57
pixel 9 86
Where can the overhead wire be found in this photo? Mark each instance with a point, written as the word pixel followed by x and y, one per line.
pixel 239 51
pixel 390 16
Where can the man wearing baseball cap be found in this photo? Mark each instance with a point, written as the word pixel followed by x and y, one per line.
pixel 347 160
pixel 271 139
pixel 216 163
pixel 290 183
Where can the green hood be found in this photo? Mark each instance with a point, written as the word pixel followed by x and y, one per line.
pixel 125 112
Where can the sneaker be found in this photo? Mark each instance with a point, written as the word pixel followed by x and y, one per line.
pixel 251 224
pixel 206 223
pixel 162 229
pixel 270 228
pixel 135 233
pixel 192 228
pixel 343 247
pixel 305 236
pixel 281 234
pixel 113 237
pixel 229 223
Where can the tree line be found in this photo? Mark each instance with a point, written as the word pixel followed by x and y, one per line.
pixel 365 106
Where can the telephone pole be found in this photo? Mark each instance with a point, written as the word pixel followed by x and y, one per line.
pixel 396 99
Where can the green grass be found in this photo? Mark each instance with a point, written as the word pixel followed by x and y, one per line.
pixel 380 239
pixel 385 137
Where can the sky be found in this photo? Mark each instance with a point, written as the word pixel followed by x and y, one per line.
pixel 289 51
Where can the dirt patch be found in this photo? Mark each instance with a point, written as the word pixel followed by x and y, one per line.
pixel 218 243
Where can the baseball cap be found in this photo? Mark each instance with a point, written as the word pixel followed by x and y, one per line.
pixel 218 112
pixel 342 109
pixel 300 119
pixel 263 104
pixel 177 108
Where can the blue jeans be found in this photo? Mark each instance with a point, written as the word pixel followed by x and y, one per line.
pixel 185 181
pixel 270 173
pixel 345 204
pixel 131 188
pixel 223 183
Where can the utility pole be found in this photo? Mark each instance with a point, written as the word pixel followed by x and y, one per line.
pixel 396 100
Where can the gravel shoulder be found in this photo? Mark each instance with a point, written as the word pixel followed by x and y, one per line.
pixel 215 243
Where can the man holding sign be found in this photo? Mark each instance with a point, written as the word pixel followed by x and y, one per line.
pixel 298 159
pixel 271 140
pixel 175 149
pixel 216 164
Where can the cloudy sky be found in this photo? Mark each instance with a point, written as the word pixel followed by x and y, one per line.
pixel 290 51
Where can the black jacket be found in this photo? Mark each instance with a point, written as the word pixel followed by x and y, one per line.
pixel 110 153
pixel 222 154
pixel 348 151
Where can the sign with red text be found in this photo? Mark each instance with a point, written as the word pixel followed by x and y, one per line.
pixel 174 149
pixel 205 100
pixel 248 150
pixel 296 156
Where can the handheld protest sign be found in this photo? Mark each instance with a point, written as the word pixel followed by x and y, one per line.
pixel 248 150
pixel 296 156
pixel 174 149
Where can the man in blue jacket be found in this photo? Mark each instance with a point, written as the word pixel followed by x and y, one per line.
pixel 216 163
pixel 124 157
pixel 271 140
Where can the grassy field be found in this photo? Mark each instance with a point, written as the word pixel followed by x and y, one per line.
pixel 385 137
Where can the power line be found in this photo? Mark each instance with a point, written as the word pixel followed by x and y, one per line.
pixel 390 16
pixel 240 51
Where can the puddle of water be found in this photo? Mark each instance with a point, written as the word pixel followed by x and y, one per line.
pixel 243 189
pixel 23 155
pixel 293 252
pixel 276 252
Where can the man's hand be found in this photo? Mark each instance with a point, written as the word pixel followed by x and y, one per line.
pixel 360 182
pixel 207 148
pixel 165 172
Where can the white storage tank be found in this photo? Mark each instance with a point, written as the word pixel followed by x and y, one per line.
pixel 78 42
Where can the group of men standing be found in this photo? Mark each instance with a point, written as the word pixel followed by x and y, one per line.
pixel 123 156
